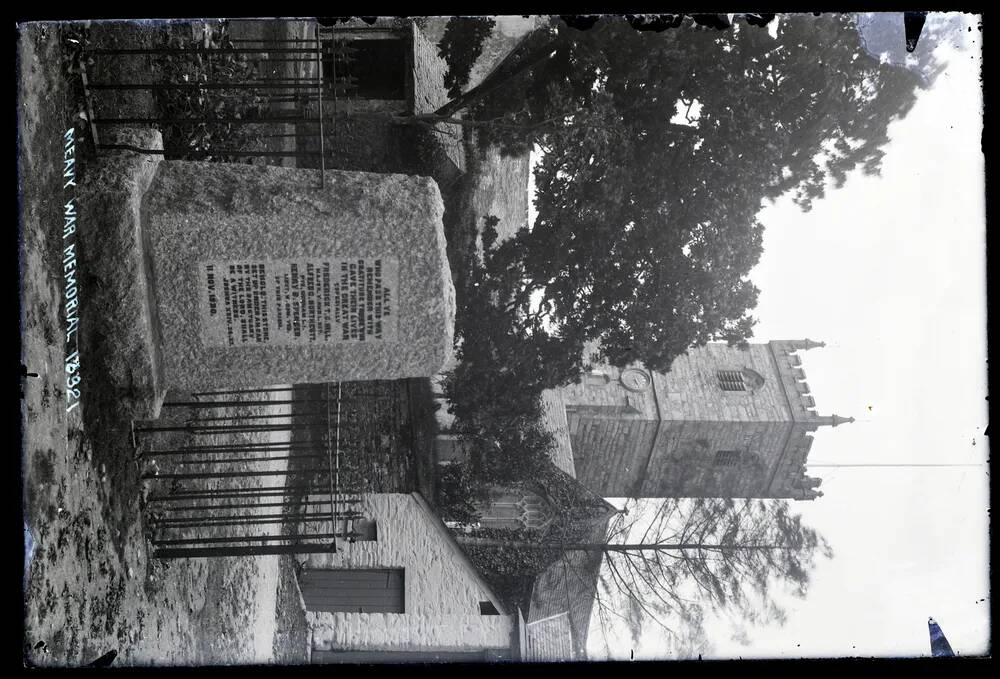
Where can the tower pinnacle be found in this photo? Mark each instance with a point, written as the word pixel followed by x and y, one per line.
pixel 833 420
pixel 806 344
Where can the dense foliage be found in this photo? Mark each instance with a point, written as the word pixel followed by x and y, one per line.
pixel 460 46
pixel 494 392
pixel 512 559
pixel 201 76
pixel 658 150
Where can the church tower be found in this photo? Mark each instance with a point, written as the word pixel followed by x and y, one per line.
pixel 723 422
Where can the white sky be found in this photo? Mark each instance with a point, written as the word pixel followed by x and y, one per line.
pixel 890 272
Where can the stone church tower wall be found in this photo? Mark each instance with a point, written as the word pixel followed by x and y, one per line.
pixel 723 422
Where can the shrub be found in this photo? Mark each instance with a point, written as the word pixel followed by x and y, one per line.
pixel 457 490
pixel 460 46
pixel 208 140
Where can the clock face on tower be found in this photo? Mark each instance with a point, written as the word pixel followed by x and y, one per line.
pixel 634 379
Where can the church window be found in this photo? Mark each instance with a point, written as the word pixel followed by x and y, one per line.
pixel 727 458
pixel 740 380
pixel 754 380
pixel 513 511
pixel 731 380
pixel 597 379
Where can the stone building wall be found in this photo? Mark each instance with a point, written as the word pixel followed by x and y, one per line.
pixel 499 189
pixel 554 414
pixel 601 393
pixel 690 391
pixel 507 32
pixel 610 455
pixel 368 143
pixel 663 440
pixel 441 591
pixel 686 460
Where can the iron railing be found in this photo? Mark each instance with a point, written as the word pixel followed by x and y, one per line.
pixel 222 100
pixel 247 473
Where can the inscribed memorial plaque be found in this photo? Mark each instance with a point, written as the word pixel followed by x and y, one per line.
pixel 299 301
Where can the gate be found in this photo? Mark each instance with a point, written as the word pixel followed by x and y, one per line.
pixel 249 472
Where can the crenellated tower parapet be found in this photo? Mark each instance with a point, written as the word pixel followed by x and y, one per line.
pixel 724 421
pixel 789 479
pixel 788 364
pixel 801 403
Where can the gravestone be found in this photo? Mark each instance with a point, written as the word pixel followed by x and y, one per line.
pixel 260 276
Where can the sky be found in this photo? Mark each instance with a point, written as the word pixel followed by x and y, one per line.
pixel 889 271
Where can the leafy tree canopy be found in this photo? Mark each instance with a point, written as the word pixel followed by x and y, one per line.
pixel 460 46
pixel 658 151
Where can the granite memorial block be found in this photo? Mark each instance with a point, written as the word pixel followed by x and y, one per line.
pixel 262 277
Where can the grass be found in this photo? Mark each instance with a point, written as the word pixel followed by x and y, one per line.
pixel 91 586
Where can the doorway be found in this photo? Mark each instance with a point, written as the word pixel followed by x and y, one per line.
pixel 376 590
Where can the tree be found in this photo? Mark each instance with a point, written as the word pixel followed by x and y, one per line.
pixel 494 392
pixel 460 46
pixel 680 559
pixel 658 151
pixel 573 512
pixel 646 229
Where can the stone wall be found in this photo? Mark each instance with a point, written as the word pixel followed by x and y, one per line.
pixel 684 463
pixel 441 596
pixel 429 93
pixel 554 417
pixel 662 441
pixel 215 212
pixel 500 189
pixel 507 33
pixel 690 391
pixel 610 455
pixel 370 143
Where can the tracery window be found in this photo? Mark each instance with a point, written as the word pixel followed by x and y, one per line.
pixel 727 458
pixel 731 380
pixel 740 380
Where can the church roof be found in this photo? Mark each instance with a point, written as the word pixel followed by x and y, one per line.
pixel 546 640
pixel 569 587
pixel 554 414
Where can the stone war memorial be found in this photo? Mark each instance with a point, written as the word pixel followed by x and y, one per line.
pixel 259 276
